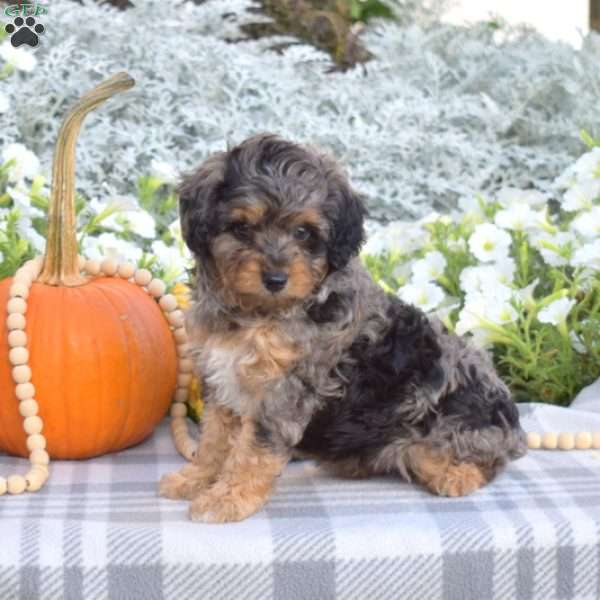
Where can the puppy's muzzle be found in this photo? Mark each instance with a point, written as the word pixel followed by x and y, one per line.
pixel 274 281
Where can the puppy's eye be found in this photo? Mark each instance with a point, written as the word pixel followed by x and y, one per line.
pixel 241 230
pixel 302 234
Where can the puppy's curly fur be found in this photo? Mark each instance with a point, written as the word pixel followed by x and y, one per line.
pixel 302 353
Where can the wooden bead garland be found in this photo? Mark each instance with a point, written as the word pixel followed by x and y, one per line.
pixel 33 425
pixel 583 440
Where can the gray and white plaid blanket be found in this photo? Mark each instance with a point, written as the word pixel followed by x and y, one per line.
pixel 98 530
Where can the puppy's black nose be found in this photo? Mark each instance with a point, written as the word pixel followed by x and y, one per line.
pixel 274 281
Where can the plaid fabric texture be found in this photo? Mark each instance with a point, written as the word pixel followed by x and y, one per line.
pixel 98 530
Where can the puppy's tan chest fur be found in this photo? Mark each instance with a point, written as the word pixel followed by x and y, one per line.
pixel 239 364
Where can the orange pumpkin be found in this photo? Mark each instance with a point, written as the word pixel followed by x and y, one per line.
pixel 103 361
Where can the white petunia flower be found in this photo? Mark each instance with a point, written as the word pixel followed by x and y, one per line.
pixel 429 268
pixel 489 243
pixel 426 296
pixel 587 224
pixel 110 246
pixel 22 201
pixel 492 279
pixel 17 57
pixel 141 223
pixel 470 209
pixel 459 245
pixel 403 237
pixel 128 216
pixel 588 165
pixel 508 197
pixel 164 171
pixel 526 296
pixel 556 312
pixel 442 312
pixel 402 272
pixel 174 259
pixel 26 164
pixel 566 179
pixel 553 246
pixel 577 343
pixel 542 220
pixel 4 104
pixel 26 230
pixel 479 312
pixel 581 196
pixel 516 217
pixel 588 256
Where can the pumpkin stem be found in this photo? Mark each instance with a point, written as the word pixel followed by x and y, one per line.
pixel 60 258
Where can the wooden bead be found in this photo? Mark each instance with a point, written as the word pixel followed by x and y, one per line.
pixel 28 408
pixel 186 366
pixel 25 391
pixel 92 267
pixel 109 267
pixel 179 409
pixel 168 303
pixel 3 486
pixel 36 441
pixel 180 335
pixel 16 484
pixel 583 440
pixel 549 441
pixel 566 441
pixel 33 426
pixel 28 270
pixel 126 270
pixel 15 321
pixel 184 379
pixel 17 338
pixel 181 395
pixel 39 457
pixel 596 440
pixel 18 356
pixel 175 318
pixel 183 350
pixel 157 288
pixel 142 277
pixel 534 440
pixel 34 265
pixel 21 374
pixel 35 479
pixel 42 468
pixel 16 305
pixel 24 276
pixel 19 290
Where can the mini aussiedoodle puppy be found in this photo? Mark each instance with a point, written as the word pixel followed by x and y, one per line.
pixel 301 353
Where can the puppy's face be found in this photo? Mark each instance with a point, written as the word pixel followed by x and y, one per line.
pixel 268 221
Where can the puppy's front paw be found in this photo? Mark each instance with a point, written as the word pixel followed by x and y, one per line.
pixel 176 486
pixel 459 480
pixel 222 505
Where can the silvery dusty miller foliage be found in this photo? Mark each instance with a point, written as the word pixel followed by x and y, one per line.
pixel 442 111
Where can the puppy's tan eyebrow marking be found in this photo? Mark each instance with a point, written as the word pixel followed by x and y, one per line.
pixel 309 216
pixel 251 213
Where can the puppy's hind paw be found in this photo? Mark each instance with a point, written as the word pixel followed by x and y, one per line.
pixel 215 507
pixel 172 486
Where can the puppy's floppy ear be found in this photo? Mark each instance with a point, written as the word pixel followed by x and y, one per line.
pixel 198 197
pixel 346 212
